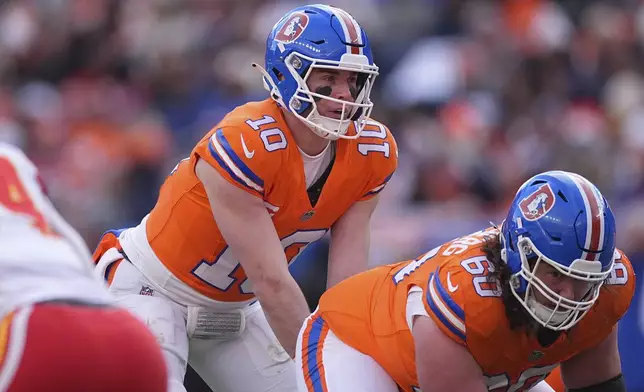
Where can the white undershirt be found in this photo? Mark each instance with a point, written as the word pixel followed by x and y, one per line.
pixel 315 165
pixel 415 306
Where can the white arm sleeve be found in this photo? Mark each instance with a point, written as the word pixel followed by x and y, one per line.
pixel 415 305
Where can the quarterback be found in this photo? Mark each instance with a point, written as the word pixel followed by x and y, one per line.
pixel 208 266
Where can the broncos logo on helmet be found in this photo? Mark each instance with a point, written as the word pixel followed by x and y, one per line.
pixel 292 28
pixel 538 203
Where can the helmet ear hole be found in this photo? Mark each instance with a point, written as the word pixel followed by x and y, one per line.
pixel 278 74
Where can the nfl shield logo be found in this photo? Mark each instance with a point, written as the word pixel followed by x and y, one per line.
pixel 307 215
pixel 538 203
pixel 535 356
pixel 145 290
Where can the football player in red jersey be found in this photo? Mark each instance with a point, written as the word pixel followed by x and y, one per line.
pixel 58 328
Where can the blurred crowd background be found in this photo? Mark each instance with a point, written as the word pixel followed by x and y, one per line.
pixel 107 95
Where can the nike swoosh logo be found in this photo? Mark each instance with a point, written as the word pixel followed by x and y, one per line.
pixel 249 154
pixel 450 286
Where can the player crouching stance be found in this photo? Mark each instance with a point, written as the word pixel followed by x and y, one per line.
pixel 208 266
pixel 58 331
pixel 496 310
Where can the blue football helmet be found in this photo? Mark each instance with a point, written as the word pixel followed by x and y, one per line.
pixel 561 219
pixel 319 37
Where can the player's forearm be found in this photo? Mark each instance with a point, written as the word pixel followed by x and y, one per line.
pixel 349 249
pixel 285 308
pixel 249 231
pixel 265 264
pixel 346 260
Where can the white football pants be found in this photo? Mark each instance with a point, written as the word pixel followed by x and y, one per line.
pixel 253 362
pixel 326 364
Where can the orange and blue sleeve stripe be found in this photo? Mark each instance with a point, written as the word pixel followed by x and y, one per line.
pixel 312 344
pixel 445 310
pixel 380 187
pixel 228 159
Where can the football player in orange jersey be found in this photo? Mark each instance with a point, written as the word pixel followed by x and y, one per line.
pixel 496 310
pixel 208 267
pixel 59 329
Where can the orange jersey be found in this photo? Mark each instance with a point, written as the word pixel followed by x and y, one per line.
pixel 370 313
pixel 253 148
